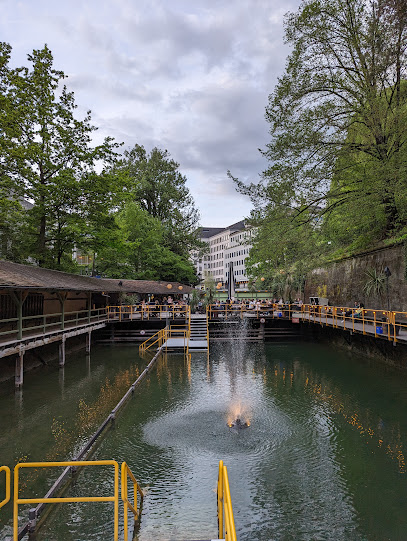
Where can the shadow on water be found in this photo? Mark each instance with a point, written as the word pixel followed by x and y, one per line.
pixel 323 457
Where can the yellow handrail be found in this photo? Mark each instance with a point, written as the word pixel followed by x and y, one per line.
pixel 7 498
pixel 372 321
pixel 145 311
pixel 226 521
pixel 126 472
pixel 159 337
pixel 114 498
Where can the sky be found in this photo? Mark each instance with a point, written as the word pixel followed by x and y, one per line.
pixel 189 76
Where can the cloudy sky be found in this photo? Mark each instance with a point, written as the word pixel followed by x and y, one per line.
pixel 191 76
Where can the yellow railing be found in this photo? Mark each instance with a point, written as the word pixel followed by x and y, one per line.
pixel 126 472
pixel 226 524
pixel 377 322
pixel 146 311
pixel 157 338
pixel 207 331
pixel 227 310
pixel 115 498
pixel 226 521
pixel 7 498
pixel 163 335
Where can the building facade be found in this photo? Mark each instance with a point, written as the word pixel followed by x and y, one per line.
pixel 229 248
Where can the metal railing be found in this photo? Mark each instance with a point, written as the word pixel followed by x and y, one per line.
pixel 163 335
pixel 233 311
pixel 125 473
pixel 17 329
pixel 380 323
pixel 147 311
pixel 226 522
pixel 157 338
pixel 8 491
pixel 74 464
pixel 28 326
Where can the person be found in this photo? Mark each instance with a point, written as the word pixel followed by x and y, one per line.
pixel 359 311
pixel 348 313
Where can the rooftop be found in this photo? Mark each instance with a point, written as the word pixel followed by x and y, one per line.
pixel 17 276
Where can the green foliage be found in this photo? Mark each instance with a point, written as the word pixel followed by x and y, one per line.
pixel 48 159
pixel 137 250
pixel 194 300
pixel 136 216
pixel 210 288
pixel 375 283
pixel 154 182
pixel 337 175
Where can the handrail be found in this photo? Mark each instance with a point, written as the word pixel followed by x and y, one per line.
pixel 385 323
pixel 163 335
pixel 159 337
pixel 126 472
pixel 8 491
pixel 145 311
pixel 226 522
pixel 44 322
pixel 114 498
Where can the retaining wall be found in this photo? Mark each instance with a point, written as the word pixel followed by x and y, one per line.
pixel 342 281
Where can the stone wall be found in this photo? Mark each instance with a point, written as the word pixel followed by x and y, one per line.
pixel 343 281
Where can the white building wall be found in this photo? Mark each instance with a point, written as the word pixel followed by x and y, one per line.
pixel 237 253
pixel 228 245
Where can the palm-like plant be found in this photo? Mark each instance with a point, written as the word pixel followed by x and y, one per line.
pixel 375 283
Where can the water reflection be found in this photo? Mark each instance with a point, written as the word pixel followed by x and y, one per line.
pixel 323 458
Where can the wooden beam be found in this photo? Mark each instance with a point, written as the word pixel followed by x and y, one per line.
pixel 19 298
pixel 62 295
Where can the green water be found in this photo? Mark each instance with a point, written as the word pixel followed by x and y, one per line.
pixel 323 457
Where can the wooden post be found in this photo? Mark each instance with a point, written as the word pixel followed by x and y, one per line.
pixel 19 299
pixel 89 305
pixel 62 298
pixel 19 373
pixel 88 341
pixel 62 352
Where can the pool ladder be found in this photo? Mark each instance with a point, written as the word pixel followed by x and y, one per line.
pixel 226 525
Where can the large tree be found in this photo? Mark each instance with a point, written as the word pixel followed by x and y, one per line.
pixel 48 157
pixel 137 251
pixel 338 117
pixel 154 181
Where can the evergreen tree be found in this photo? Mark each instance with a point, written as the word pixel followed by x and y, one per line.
pixel 48 158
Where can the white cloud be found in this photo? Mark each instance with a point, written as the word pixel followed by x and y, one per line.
pixel 192 77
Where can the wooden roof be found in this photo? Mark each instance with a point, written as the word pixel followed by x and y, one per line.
pixel 16 276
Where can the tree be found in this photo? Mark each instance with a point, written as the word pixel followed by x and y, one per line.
pixel 47 157
pixel 154 182
pixel 137 250
pixel 338 118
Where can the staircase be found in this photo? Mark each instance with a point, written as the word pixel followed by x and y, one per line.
pixel 198 338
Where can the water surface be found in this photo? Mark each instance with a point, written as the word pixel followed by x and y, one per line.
pixel 323 457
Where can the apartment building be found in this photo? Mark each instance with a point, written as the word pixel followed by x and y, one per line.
pixel 229 248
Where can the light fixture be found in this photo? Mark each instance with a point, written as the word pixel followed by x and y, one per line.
pixel 169 286
pixel 180 288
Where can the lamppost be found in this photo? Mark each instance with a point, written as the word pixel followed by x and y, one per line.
pixel 387 274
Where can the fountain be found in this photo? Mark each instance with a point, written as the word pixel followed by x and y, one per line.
pixel 238 424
